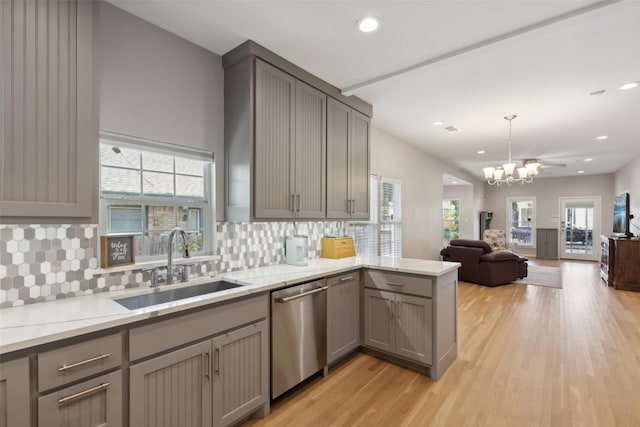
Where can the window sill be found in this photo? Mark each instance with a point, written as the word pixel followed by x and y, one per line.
pixel 145 265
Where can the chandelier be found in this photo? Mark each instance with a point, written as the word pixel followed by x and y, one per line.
pixel 504 174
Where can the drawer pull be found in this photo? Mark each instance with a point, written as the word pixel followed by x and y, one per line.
pixel 393 284
pixel 344 279
pixel 87 392
pixel 84 362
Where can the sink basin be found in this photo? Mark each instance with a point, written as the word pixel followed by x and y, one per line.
pixel 175 294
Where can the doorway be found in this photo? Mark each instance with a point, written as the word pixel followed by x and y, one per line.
pixel 580 228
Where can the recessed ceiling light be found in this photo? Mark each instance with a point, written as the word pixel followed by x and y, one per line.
pixel 628 86
pixel 601 137
pixel 368 24
pixel 597 92
pixel 454 182
pixel 580 171
pixel 438 123
pixel 588 159
pixel 481 152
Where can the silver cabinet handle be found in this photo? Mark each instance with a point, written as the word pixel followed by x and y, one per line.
pixel 344 279
pixel 315 291
pixel 207 367
pixel 398 310
pixel 299 202
pixel 84 362
pixel 292 202
pixel 393 284
pixel 87 392
pixel 218 360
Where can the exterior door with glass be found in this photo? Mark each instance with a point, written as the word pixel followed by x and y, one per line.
pixel 580 228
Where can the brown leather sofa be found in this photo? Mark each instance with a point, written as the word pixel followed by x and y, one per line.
pixel 482 265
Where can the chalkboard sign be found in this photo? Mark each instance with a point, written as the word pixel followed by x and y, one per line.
pixel 116 250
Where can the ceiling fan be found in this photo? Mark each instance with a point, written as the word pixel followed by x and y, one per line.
pixel 542 164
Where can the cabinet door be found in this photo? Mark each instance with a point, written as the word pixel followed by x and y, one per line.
pixel 14 393
pixel 241 373
pixel 343 315
pixel 96 402
pixel 274 135
pixel 49 138
pixel 310 152
pixel 379 320
pixel 413 331
pixel 338 137
pixel 359 166
pixel 172 390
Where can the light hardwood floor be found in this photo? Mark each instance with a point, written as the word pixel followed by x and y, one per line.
pixel 527 356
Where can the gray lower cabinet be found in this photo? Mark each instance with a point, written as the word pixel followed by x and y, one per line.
pixel 547 243
pixel 48 143
pixel 343 315
pixel 398 324
pixel 14 393
pixel 240 373
pixel 348 135
pixel 93 403
pixel 173 389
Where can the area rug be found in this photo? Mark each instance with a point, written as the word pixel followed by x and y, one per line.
pixel 537 275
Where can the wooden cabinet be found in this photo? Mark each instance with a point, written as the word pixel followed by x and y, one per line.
pixel 547 243
pixel 412 317
pixel 343 315
pixel 14 393
pixel 241 373
pixel 398 324
pixel 93 403
pixel 348 134
pixel 289 146
pixel 624 264
pixel 173 389
pixel 49 143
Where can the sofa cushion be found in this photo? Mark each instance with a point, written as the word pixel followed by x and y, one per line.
pixel 486 248
pixel 498 256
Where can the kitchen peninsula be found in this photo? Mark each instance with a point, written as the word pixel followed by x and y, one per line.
pixel 114 351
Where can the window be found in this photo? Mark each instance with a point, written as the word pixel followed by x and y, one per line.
pixel 382 235
pixel 147 193
pixel 451 219
pixel 521 220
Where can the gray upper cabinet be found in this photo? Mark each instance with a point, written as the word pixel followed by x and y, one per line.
pixel 348 134
pixel 276 131
pixel 48 130
pixel 289 147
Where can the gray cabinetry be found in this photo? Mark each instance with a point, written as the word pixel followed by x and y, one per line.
pixel 240 374
pixel 14 393
pixel 398 324
pixel 343 315
pixel 348 133
pixel 173 389
pixel 285 130
pixel 93 403
pixel 547 243
pixel 48 130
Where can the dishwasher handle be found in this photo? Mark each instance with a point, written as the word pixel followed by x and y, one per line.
pixel 315 291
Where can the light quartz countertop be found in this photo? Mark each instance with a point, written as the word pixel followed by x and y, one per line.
pixel 42 323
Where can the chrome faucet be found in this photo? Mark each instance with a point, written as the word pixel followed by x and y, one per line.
pixel 185 241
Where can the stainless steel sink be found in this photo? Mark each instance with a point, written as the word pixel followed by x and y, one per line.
pixel 146 300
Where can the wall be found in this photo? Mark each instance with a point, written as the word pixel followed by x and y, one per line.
pixel 627 180
pixel 158 86
pixel 422 191
pixel 468 214
pixel 548 192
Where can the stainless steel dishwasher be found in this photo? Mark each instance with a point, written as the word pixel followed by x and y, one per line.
pixel 298 334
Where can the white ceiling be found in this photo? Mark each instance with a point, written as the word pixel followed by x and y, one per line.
pixel 466 63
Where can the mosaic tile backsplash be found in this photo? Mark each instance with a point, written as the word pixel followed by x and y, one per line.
pixel 46 262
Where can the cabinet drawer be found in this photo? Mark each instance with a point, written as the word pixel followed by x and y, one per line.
pixel 398 282
pixel 74 362
pixel 166 334
pixel 95 402
pixel 354 275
